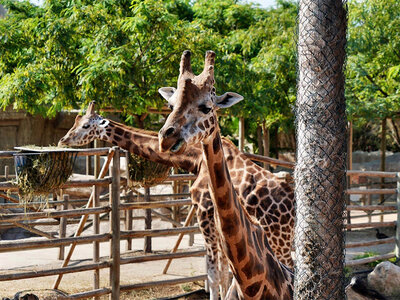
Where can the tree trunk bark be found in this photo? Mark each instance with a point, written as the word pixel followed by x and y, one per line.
pixel 266 143
pixel 260 140
pixel 320 173
pixel 383 161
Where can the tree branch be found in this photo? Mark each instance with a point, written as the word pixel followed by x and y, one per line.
pixel 373 82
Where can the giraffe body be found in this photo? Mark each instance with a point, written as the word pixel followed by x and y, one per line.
pixel 266 198
pixel 256 269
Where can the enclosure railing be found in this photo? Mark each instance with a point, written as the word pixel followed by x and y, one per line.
pixel 114 236
pixel 352 174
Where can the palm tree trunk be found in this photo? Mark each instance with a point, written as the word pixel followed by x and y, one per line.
pixel 320 172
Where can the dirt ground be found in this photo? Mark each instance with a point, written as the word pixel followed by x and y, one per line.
pixel 32 260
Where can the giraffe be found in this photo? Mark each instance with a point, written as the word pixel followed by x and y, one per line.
pixel 266 198
pixel 257 271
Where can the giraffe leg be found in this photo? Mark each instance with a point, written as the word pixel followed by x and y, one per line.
pixel 213 277
pixel 232 293
pixel 224 274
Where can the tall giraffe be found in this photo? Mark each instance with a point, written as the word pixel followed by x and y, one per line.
pixel 267 198
pixel 258 272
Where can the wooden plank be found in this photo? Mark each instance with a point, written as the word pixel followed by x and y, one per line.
pixel 145 285
pixel 157 204
pixel 147 222
pixel 39 223
pixel 372 225
pixel 52 272
pixel 165 218
pixel 269 160
pixel 362 261
pixel 73 183
pixel 358 173
pixel 181 177
pixel 156 257
pixel 159 232
pixel 370 243
pixel 371 207
pixel 36 244
pixel 7 154
pixel 96 244
pixel 63 225
pixel 370 191
pixel 115 226
pixel 33 230
pixel 95 293
pixel 52 214
pixel 178 241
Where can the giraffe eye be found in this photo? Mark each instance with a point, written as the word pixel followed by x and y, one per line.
pixel 86 126
pixel 204 109
pixel 171 107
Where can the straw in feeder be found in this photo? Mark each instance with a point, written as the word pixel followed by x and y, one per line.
pixel 145 172
pixel 39 173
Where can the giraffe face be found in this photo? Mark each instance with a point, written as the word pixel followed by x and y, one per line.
pixel 87 128
pixel 194 104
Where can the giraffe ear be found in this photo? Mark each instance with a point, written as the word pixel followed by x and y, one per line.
pixel 167 92
pixel 228 99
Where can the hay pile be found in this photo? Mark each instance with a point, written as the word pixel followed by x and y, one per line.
pixel 41 173
pixel 146 173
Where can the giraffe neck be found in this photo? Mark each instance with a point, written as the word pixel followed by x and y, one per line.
pixel 145 144
pixel 254 265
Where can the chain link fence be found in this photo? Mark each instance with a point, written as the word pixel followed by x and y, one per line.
pixel 320 173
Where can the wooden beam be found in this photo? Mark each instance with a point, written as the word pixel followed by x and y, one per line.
pixel 370 243
pixel 178 241
pixel 363 261
pixel 115 226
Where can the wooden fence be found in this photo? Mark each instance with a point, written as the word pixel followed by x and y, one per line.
pixel 115 234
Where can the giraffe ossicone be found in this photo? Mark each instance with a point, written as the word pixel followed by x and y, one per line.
pixel 257 271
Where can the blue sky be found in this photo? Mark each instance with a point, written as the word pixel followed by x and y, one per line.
pixel 264 3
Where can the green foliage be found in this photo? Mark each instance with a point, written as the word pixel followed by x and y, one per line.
pixel 66 53
pixel 373 65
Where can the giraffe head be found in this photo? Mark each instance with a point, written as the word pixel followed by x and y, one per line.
pixel 87 128
pixel 194 104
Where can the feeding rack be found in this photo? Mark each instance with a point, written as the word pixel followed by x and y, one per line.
pixel 41 170
pixel 146 173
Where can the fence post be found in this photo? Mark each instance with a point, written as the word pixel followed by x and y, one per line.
pixel 147 221
pixel 6 172
pixel 96 245
pixel 115 226
pixel 128 213
pixel 397 249
pixel 63 224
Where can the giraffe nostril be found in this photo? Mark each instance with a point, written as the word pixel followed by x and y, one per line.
pixel 169 131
